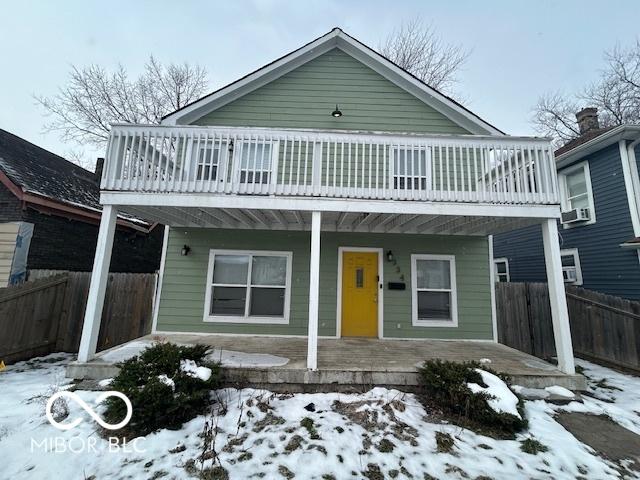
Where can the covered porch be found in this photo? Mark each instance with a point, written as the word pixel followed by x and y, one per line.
pixel 281 363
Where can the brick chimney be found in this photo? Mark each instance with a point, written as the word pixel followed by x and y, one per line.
pixel 98 170
pixel 587 120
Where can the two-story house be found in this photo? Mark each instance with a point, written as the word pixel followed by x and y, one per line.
pixel 600 223
pixel 329 193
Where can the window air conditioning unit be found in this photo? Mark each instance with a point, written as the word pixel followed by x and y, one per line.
pixel 575 215
pixel 569 274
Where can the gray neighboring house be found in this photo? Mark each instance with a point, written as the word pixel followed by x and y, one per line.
pixel 600 227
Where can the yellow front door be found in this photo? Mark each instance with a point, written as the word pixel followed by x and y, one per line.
pixel 359 294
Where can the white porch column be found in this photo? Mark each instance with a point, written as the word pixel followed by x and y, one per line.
pixel 559 312
pixel 98 286
pixel 314 292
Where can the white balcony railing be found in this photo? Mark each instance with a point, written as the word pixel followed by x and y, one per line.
pixel 330 164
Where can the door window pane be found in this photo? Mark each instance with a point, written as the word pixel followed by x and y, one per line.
pixel 228 301
pixel 434 305
pixel 433 274
pixel 256 156
pixel 359 277
pixel 267 302
pixel 231 269
pixel 268 270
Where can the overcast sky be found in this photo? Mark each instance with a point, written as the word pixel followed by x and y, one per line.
pixel 519 49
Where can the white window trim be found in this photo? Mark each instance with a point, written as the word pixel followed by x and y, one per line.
pixel 564 195
pixel 239 146
pixel 576 261
pixel 284 320
pixel 415 321
pixel 427 174
pixel 504 260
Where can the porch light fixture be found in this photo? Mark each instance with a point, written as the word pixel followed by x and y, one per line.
pixel 336 113
pixel 389 256
pixel 185 250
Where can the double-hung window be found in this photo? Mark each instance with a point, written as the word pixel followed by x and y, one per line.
pixel 411 168
pixel 255 162
pixel 571 270
pixel 575 186
pixel 248 287
pixel 208 159
pixel 434 294
pixel 501 266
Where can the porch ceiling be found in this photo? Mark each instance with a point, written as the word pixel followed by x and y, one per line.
pixel 275 219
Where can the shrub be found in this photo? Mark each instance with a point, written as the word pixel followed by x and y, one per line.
pixel 444 385
pixel 162 394
pixel 533 446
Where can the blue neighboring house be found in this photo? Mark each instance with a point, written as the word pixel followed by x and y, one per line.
pixel 600 228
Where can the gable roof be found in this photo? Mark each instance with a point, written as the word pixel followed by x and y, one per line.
pixel 31 172
pixel 336 38
pixel 591 142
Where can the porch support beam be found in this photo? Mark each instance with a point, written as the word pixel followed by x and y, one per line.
pixel 314 291
pixel 98 285
pixel 559 312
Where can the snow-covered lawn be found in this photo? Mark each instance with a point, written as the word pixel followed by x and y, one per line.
pixel 380 434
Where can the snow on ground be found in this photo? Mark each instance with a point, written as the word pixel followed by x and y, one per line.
pixel 380 434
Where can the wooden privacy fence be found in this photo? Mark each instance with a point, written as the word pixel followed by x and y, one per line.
pixel 45 315
pixel 603 327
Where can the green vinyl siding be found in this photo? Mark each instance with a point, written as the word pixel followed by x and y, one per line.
pixel 306 96
pixel 183 290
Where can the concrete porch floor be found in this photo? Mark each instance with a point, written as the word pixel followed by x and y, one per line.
pixel 348 361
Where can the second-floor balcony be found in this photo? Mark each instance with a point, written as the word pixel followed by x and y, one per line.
pixel 283 162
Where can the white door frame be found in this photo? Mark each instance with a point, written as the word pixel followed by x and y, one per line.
pixel 380 252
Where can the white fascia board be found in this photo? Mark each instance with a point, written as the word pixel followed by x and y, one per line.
pixel 258 202
pixel 335 38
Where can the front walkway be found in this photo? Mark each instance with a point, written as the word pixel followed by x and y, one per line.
pixel 282 362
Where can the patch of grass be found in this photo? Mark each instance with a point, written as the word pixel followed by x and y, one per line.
pixel 533 446
pixel 444 388
pixel 339 429
pixel 602 383
pixel 285 472
pixel 373 472
pixel 245 456
pixel 294 444
pixel 155 403
pixel 386 446
pixel 269 419
pixel 444 442
pixel 308 423
pixel 214 473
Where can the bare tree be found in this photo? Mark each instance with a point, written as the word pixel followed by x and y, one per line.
pixel 417 47
pixel 93 99
pixel 615 93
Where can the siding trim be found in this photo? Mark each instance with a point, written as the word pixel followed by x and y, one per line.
pixel 380 252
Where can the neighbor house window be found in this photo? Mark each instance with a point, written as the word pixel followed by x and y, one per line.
pixel 248 287
pixel 571 271
pixel 433 284
pixel 575 186
pixel 501 266
pixel 411 168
